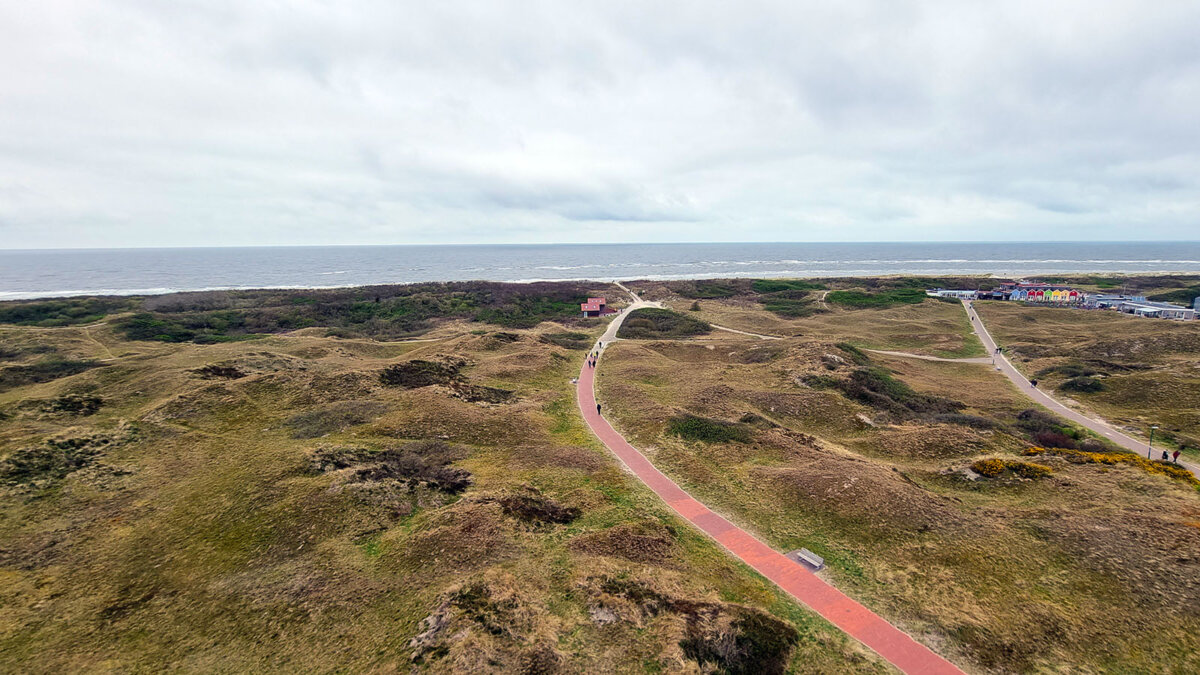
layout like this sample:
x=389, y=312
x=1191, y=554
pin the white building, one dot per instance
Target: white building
x=1158, y=310
x=943, y=293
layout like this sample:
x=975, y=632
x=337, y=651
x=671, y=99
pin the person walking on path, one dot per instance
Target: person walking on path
x=597, y=408
x=1175, y=456
x=1164, y=455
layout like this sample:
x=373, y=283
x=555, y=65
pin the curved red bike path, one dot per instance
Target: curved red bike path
x=893, y=644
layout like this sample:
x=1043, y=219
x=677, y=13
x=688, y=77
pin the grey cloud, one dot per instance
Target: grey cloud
x=132, y=122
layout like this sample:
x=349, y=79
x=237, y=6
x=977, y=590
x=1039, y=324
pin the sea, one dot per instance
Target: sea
x=142, y=271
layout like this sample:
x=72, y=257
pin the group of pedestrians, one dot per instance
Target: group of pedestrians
x=594, y=356
x=1174, y=457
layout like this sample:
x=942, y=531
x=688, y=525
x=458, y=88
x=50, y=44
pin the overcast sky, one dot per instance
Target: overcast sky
x=191, y=122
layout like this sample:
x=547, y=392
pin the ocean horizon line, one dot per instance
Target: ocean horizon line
x=931, y=242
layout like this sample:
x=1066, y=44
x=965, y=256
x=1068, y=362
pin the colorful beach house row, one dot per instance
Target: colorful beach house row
x=1044, y=293
x=596, y=307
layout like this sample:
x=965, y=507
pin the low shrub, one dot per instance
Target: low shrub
x=1184, y=296
x=1069, y=370
x=73, y=404
x=655, y=324
x=777, y=285
x=1029, y=470
x=877, y=300
x=706, y=290
x=818, y=381
x=535, y=508
x=1119, y=457
x=414, y=464
x=333, y=418
x=384, y=312
x=972, y=421
x=43, y=371
x=66, y=312
x=215, y=371
x=792, y=305
x=988, y=467
x=693, y=428
x=44, y=463
x=1046, y=429
x=1054, y=439
x=1089, y=385
x=420, y=373
x=994, y=467
x=877, y=388
x=856, y=355
x=477, y=393
x=568, y=340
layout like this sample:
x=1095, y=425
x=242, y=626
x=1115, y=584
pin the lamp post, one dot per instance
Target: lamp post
x=1150, y=446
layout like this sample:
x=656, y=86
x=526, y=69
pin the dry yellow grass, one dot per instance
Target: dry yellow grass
x=1023, y=573
x=196, y=535
x=1149, y=369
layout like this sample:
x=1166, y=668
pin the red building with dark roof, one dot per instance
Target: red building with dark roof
x=595, y=307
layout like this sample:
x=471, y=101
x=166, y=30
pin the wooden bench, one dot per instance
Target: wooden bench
x=807, y=558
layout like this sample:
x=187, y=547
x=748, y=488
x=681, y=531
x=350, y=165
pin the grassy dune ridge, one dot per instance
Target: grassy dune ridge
x=276, y=504
x=297, y=485
x=1041, y=557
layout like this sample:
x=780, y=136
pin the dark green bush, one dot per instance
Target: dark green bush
x=1088, y=385
x=419, y=373
x=877, y=388
x=819, y=381
x=693, y=428
x=790, y=307
x=757, y=644
x=42, y=371
x=1184, y=296
x=66, y=312
x=856, y=355
x=654, y=324
x=1046, y=429
x=73, y=404
x=1069, y=370
x=569, y=340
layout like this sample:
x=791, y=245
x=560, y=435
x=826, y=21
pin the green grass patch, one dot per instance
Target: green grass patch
x=1183, y=296
x=383, y=312
x=67, y=312
x=694, y=428
x=706, y=290
x=777, y=285
x=877, y=300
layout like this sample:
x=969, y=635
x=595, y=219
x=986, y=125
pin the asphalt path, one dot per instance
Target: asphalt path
x=1097, y=425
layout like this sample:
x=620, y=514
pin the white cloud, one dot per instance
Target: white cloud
x=127, y=123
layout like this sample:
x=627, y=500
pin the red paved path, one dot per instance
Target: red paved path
x=859, y=622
